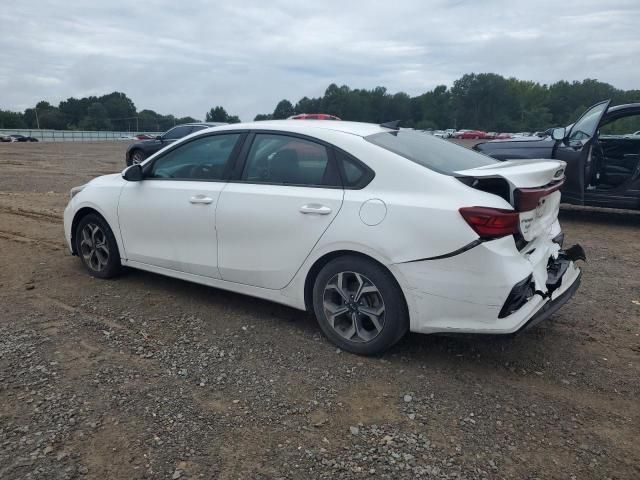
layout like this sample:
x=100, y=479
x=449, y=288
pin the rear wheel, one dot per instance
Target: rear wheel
x=97, y=247
x=359, y=305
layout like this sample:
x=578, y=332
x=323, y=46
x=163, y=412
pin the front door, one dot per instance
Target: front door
x=168, y=219
x=575, y=150
x=271, y=218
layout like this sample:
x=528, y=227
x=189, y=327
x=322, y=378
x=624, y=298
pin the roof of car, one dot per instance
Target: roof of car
x=353, y=128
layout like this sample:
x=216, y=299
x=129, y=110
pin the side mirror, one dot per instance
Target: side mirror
x=558, y=133
x=133, y=173
x=159, y=137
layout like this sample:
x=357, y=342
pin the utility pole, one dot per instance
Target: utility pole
x=37, y=121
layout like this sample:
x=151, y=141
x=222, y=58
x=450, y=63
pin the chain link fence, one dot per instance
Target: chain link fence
x=74, y=135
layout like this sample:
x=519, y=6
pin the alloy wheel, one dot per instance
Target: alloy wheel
x=137, y=157
x=354, y=307
x=94, y=247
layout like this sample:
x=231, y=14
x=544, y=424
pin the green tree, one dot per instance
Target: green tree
x=97, y=118
x=284, y=109
x=216, y=114
x=219, y=114
x=12, y=119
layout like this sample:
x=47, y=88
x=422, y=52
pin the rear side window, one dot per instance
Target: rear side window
x=177, y=132
x=434, y=153
x=354, y=173
x=282, y=159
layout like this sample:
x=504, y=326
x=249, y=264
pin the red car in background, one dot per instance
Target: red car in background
x=313, y=116
x=470, y=134
x=503, y=136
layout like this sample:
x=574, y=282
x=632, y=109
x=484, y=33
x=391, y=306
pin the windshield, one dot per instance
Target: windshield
x=587, y=125
x=434, y=153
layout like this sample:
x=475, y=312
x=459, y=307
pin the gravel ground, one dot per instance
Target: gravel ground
x=150, y=377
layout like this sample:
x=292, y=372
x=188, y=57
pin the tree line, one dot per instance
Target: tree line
x=484, y=101
x=114, y=111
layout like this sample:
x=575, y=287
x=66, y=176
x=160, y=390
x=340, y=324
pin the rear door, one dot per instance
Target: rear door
x=575, y=150
x=286, y=193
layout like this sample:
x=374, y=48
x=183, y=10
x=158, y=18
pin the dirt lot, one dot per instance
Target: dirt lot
x=149, y=377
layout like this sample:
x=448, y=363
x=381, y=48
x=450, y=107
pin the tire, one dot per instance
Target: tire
x=137, y=156
x=97, y=247
x=336, y=290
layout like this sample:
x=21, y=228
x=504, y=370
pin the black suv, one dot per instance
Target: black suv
x=140, y=150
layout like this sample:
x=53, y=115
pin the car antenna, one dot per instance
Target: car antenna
x=394, y=125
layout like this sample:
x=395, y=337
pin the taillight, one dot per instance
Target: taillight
x=491, y=222
x=526, y=199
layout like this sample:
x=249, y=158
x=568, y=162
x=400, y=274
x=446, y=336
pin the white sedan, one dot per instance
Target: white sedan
x=376, y=230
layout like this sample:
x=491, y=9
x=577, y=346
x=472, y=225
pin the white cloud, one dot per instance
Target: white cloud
x=184, y=57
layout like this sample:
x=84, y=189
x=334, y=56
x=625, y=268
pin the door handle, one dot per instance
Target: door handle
x=315, y=209
x=201, y=199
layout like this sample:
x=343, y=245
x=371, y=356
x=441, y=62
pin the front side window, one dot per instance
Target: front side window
x=204, y=158
x=282, y=159
x=177, y=132
x=587, y=125
x=429, y=151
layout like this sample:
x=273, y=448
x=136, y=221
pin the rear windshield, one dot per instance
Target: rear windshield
x=434, y=153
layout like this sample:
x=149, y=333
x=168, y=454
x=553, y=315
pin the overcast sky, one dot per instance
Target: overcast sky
x=183, y=57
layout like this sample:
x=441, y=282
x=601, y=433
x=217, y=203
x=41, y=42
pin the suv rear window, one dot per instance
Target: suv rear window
x=434, y=153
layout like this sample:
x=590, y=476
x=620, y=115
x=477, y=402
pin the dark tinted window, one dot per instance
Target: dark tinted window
x=197, y=128
x=177, y=132
x=288, y=160
x=354, y=173
x=204, y=158
x=434, y=153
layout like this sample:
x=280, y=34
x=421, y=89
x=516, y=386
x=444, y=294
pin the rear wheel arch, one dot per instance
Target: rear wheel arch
x=317, y=266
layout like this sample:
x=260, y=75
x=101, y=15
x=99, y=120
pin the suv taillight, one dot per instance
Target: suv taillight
x=491, y=222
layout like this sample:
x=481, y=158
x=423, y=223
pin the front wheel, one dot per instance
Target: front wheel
x=359, y=305
x=138, y=156
x=97, y=247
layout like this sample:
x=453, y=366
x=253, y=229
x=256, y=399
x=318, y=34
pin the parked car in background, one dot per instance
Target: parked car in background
x=219, y=208
x=490, y=135
x=471, y=134
x=138, y=151
x=503, y=136
x=603, y=164
x=143, y=136
x=457, y=133
x=313, y=116
x=19, y=138
x=439, y=133
x=449, y=132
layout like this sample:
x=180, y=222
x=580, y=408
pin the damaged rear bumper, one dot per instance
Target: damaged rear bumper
x=468, y=293
x=554, y=305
